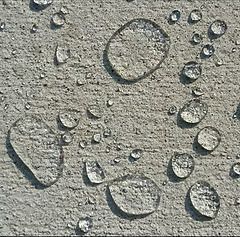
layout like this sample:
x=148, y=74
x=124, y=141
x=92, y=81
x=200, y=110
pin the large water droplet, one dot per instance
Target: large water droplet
x=95, y=172
x=193, y=111
x=137, y=49
x=218, y=28
x=209, y=138
x=38, y=148
x=69, y=118
x=182, y=165
x=135, y=195
x=204, y=199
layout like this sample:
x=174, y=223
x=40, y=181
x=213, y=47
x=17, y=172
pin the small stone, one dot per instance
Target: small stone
x=195, y=16
x=85, y=224
x=94, y=172
x=2, y=26
x=192, y=70
x=110, y=103
x=67, y=137
x=107, y=132
x=218, y=28
x=83, y=144
x=197, y=91
x=197, y=38
x=175, y=16
x=172, y=110
x=136, y=154
x=209, y=138
x=58, y=19
x=62, y=54
x=236, y=169
x=208, y=50
x=96, y=138
x=43, y=3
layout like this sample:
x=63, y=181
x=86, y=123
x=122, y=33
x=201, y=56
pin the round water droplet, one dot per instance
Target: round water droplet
x=34, y=28
x=136, y=154
x=69, y=118
x=208, y=50
x=85, y=224
x=110, y=103
x=43, y=3
x=38, y=148
x=107, y=132
x=172, y=110
x=137, y=49
x=135, y=195
x=193, y=111
x=58, y=19
x=197, y=91
x=209, y=138
x=218, y=28
x=62, y=54
x=195, y=16
x=237, y=202
x=83, y=144
x=197, y=38
x=96, y=137
x=182, y=165
x=236, y=169
x=67, y=137
x=94, y=172
x=2, y=26
x=95, y=110
x=204, y=199
x=192, y=70
x=174, y=16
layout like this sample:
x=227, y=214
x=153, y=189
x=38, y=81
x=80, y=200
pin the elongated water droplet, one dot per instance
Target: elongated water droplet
x=95, y=172
x=197, y=38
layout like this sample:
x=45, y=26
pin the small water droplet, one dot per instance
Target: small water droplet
x=96, y=138
x=83, y=144
x=27, y=106
x=64, y=10
x=62, y=54
x=209, y=138
x=197, y=91
x=182, y=165
x=67, y=137
x=172, y=110
x=136, y=154
x=218, y=28
x=197, y=38
x=107, y=149
x=69, y=118
x=110, y=103
x=204, y=199
x=174, y=16
x=193, y=111
x=81, y=82
x=42, y=76
x=43, y=3
x=94, y=172
x=192, y=70
x=236, y=169
x=208, y=50
x=195, y=16
x=237, y=202
x=58, y=19
x=34, y=28
x=95, y=110
x=107, y=132
x=2, y=26
x=85, y=224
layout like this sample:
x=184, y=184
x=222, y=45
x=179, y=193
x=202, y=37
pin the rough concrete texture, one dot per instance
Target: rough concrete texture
x=32, y=83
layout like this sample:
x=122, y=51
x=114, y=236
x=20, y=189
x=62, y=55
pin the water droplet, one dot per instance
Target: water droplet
x=197, y=91
x=204, y=199
x=96, y=138
x=236, y=169
x=238, y=156
x=209, y=138
x=172, y=110
x=85, y=224
x=208, y=50
x=107, y=132
x=197, y=38
x=192, y=70
x=38, y=148
x=42, y=76
x=94, y=172
x=137, y=49
x=62, y=54
x=58, y=19
x=174, y=16
x=67, y=137
x=34, y=28
x=69, y=118
x=27, y=106
x=237, y=202
x=193, y=111
x=83, y=144
x=64, y=10
x=135, y=195
x=80, y=82
x=136, y=154
x=2, y=26
x=95, y=110
x=43, y=3
x=195, y=16
x=110, y=103
x=182, y=165
x=218, y=28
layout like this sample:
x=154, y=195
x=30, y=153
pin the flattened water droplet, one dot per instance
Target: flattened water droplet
x=192, y=70
x=69, y=118
x=204, y=199
x=208, y=50
x=95, y=110
x=197, y=91
x=38, y=148
x=236, y=169
x=85, y=224
x=67, y=137
x=94, y=172
x=135, y=195
x=96, y=137
x=136, y=154
x=137, y=49
x=43, y=3
x=62, y=54
x=58, y=19
x=193, y=111
x=195, y=16
x=174, y=16
x=218, y=28
x=197, y=38
x=209, y=138
x=172, y=110
x=182, y=165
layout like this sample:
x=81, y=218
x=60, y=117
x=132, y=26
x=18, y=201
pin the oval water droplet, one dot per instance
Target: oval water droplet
x=195, y=16
x=137, y=49
x=192, y=70
x=209, y=138
x=218, y=28
x=95, y=172
x=193, y=111
x=174, y=16
x=182, y=165
x=85, y=224
x=67, y=137
x=58, y=19
x=38, y=148
x=69, y=118
x=62, y=54
x=136, y=154
x=135, y=195
x=197, y=38
x=204, y=199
